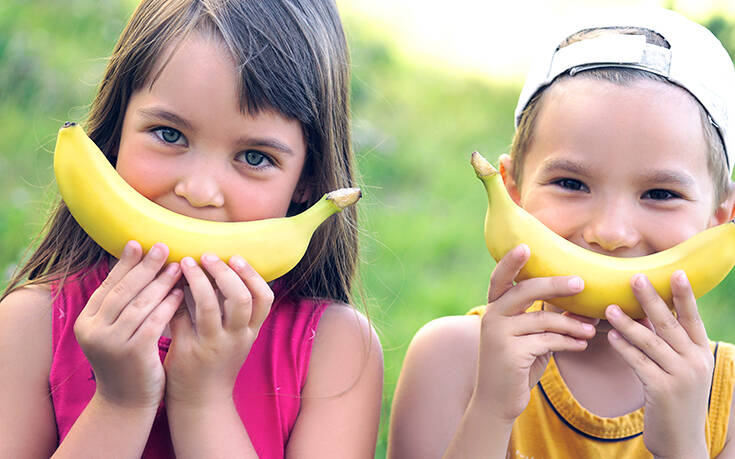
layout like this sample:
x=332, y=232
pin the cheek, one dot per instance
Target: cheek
x=254, y=201
x=142, y=171
x=668, y=232
x=564, y=219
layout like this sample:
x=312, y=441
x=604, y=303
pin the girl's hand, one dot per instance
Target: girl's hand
x=119, y=328
x=672, y=358
x=205, y=359
x=515, y=346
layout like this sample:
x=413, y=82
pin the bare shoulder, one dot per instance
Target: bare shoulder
x=434, y=388
x=346, y=345
x=27, y=310
x=340, y=403
x=453, y=340
x=27, y=427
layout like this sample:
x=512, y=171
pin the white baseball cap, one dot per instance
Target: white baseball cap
x=696, y=60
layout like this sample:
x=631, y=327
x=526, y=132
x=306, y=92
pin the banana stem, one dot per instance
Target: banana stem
x=344, y=197
x=482, y=166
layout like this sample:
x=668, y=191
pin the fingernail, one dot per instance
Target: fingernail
x=522, y=250
x=681, y=278
x=188, y=262
x=172, y=269
x=614, y=334
x=238, y=262
x=576, y=284
x=589, y=328
x=209, y=258
x=127, y=249
x=614, y=310
x=639, y=281
x=156, y=252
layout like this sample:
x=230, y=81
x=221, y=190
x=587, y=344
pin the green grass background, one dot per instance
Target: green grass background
x=415, y=125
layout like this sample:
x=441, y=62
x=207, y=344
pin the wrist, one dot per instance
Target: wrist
x=102, y=401
x=486, y=408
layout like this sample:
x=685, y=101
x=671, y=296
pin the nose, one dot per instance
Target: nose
x=200, y=188
x=612, y=228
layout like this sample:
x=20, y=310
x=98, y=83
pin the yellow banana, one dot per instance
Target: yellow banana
x=706, y=257
x=112, y=213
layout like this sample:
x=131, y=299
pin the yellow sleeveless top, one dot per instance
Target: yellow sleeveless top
x=555, y=425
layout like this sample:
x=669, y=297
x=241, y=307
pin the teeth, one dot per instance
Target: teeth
x=112, y=213
x=706, y=257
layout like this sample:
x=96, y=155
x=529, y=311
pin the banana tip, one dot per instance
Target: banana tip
x=344, y=196
x=483, y=168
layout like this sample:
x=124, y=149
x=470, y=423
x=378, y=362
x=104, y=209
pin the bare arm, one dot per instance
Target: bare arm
x=27, y=421
x=27, y=425
x=434, y=388
x=340, y=407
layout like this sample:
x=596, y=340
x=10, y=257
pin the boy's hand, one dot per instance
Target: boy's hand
x=515, y=346
x=207, y=353
x=674, y=362
x=119, y=328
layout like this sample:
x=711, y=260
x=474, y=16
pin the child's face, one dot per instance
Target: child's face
x=186, y=145
x=619, y=170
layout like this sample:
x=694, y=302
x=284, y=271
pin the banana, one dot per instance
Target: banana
x=112, y=213
x=706, y=257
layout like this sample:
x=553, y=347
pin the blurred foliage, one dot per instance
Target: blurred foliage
x=414, y=128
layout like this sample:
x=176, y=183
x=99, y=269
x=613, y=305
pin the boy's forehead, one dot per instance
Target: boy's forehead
x=648, y=123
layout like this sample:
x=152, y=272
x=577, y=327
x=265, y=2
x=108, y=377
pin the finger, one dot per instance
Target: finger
x=152, y=327
x=135, y=312
x=238, y=300
x=664, y=323
x=132, y=283
x=686, y=308
x=130, y=256
x=545, y=321
x=505, y=272
x=182, y=326
x=540, y=344
x=646, y=369
x=644, y=340
x=262, y=295
x=588, y=320
x=207, y=314
x=525, y=292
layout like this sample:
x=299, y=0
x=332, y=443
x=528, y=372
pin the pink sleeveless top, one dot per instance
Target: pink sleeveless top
x=266, y=392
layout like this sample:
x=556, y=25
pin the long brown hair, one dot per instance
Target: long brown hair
x=292, y=58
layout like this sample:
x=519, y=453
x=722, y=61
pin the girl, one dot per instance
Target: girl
x=622, y=146
x=220, y=110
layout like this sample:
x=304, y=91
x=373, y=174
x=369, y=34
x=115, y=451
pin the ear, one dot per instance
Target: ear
x=506, y=172
x=725, y=211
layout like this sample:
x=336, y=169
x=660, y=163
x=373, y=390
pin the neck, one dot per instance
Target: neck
x=599, y=369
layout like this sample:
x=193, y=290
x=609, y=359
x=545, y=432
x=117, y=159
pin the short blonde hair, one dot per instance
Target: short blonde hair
x=523, y=138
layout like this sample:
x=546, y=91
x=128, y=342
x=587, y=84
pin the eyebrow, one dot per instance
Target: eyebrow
x=268, y=142
x=564, y=165
x=662, y=176
x=160, y=113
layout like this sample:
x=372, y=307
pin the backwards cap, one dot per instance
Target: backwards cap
x=696, y=61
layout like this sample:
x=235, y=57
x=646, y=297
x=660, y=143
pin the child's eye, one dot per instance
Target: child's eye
x=254, y=158
x=659, y=195
x=169, y=135
x=571, y=184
